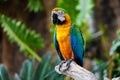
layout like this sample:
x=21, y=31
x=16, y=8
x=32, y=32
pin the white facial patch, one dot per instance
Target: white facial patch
x=60, y=15
x=61, y=18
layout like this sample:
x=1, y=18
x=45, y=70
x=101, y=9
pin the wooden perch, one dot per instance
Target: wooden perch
x=77, y=72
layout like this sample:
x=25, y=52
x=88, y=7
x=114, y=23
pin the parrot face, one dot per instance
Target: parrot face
x=58, y=16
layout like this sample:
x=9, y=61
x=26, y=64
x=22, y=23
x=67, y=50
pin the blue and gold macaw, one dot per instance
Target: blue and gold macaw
x=68, y=39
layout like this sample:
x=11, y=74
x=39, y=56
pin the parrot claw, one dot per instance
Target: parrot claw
x=64, y=61
x=67, y=66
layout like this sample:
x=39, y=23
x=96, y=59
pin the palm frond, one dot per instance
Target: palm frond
x=27, y=39
x=27, y=70
x=34, y=5
x=4, y=73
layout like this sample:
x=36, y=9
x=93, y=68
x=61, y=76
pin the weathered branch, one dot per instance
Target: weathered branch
x=77, y=72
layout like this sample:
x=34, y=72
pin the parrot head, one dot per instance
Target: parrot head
x=59, y=16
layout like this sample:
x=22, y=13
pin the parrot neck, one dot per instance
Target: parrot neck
x=67, y=25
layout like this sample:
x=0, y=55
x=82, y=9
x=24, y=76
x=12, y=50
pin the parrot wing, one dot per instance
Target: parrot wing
x=57, y=45
x=77, y=44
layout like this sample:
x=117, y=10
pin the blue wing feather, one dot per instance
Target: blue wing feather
x=57, y=46
x=77, y=44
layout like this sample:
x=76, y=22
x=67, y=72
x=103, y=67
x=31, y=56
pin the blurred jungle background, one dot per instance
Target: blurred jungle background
x=26, y=44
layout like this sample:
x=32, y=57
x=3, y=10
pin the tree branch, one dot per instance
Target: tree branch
x=77, y=72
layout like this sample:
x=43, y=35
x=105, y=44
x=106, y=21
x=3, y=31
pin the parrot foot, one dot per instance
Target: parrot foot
x=66, y=63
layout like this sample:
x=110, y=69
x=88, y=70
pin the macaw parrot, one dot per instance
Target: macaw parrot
x=68, y=39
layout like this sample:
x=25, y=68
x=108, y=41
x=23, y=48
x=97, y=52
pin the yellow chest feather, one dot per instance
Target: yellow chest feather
x=63, y=38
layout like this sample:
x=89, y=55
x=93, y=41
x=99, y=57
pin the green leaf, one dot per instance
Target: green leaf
x=27, y=39
x=45, y=70
x=3, y=73
x=101, y=67
x=27, y=70
x=34, y=5
x=115, y=46
x=16, y=77
x=118, y=32
x=43, y=67
x=85, y=8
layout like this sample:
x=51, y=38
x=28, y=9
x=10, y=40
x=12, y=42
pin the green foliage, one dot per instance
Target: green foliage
x=71, y=8
x=40, y=73
x=44, y=71
x=27, y=39
x=116, y=45
x=3, y=73
x=16, y=77
x=102, y=66
x=115, y=55
x=85, y=9
x=34, y=5
x=27, y=70
x=116, y=68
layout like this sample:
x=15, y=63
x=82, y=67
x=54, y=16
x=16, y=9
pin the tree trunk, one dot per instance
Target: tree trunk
x=8, y=56
x=0, y=45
